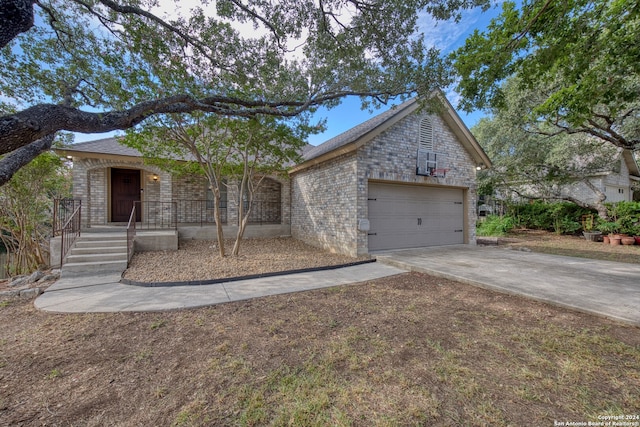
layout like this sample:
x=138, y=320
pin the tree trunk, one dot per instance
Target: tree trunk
x=218, y=219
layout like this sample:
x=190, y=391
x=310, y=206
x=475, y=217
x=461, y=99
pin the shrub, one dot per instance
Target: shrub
x=560, y=217
x=495, y=225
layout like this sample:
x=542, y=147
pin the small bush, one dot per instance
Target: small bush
x=495, y=225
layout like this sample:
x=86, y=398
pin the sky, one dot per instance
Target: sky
x=445, y=35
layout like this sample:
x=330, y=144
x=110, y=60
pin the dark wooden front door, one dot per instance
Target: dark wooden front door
x=125, y=190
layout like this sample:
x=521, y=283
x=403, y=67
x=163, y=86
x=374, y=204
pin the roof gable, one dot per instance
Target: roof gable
x=359, y=135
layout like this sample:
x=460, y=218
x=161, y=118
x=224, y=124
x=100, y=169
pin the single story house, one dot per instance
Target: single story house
x=404, y=178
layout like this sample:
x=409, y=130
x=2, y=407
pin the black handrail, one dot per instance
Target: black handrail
x=131, y=234
x=62, y=211
x=70, y=231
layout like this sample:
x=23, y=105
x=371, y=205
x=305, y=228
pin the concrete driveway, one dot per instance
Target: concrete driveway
x=605, y=288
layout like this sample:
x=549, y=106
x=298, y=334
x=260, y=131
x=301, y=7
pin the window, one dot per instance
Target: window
x=223, y=196
x=425, y=138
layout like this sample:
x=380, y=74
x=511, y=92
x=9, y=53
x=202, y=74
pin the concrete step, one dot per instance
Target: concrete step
x=102, y=236
x=70, y=269
x=97, y=252
x=92, y=258
x=100, y=243
x=88, y=250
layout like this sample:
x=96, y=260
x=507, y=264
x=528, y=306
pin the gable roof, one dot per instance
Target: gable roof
x=632, y=164
x=105, y=146
x=111, y=147
x=359, y=135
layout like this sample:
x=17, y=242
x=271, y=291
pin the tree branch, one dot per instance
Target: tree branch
x=33, y=123
x=16, y=16
x=11, y=163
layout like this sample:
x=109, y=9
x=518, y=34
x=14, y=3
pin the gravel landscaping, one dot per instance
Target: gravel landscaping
x=200, y=260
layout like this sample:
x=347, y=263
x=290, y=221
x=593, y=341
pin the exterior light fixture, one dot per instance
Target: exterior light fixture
x=480, y=167
x=155, y=178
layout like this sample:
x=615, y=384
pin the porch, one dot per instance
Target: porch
x=158, y=226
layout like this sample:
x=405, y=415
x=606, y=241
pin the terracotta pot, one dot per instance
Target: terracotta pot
x=627, y=240
x=605, y=240
x=614, y=241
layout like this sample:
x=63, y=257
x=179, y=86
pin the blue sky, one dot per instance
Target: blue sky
x=447, y=36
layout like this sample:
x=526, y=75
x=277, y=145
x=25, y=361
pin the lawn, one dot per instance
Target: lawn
x=406, y=350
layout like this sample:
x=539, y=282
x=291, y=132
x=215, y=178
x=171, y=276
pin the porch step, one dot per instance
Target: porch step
x=96, y=253
x=93, y=267
x=94, y=249
x=97, y=244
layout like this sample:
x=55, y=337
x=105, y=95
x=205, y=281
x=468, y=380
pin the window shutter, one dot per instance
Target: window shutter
x=426, y=135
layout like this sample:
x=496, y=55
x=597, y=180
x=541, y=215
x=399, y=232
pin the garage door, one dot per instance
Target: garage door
x=404, y=216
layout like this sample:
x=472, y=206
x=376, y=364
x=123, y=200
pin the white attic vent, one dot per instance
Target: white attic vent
x=425, y=138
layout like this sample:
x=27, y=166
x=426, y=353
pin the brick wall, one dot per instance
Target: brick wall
x=329, y=199
x=324, y=205
x=91, y=185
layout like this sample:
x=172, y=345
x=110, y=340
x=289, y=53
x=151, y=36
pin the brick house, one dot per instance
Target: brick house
x=402, y=179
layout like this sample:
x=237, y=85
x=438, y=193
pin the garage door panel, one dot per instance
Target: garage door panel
x=414, y=216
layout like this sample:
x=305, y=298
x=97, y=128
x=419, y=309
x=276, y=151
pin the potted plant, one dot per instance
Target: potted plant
x=609, y=228
x=588, y=231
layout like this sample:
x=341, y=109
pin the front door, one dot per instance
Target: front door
x=125, y=190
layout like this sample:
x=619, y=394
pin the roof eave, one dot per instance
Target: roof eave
x=632, y=165
x=464, y=134
x=360, y=141
x=66, y=152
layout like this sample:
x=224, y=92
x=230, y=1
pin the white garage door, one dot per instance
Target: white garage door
x=403, y=216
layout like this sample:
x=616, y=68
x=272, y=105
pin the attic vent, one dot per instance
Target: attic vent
x=425, y=139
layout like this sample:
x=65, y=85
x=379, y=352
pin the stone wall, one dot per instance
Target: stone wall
x=91, y=180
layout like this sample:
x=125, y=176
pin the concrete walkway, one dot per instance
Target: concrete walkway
x=103, y=293
x=609, y=289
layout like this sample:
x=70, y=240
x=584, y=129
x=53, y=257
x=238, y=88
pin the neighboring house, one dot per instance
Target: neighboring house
x=402, y=179
x=619, y=182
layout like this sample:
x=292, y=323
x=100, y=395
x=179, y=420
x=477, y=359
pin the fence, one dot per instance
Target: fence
x=154, y=215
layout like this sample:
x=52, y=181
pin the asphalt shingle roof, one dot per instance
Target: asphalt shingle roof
x=104, y=146
x=356, y=132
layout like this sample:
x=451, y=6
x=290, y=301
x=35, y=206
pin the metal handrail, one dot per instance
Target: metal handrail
x=131, y=234
x=62, y=211
x=70, y=232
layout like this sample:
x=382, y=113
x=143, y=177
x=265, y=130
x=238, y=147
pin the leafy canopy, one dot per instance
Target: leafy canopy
x=536, y=165
x=585, y=51
x=101, y=65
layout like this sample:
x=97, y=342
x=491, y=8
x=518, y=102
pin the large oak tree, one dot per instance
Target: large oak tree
x=101, y=65
x=584, y=54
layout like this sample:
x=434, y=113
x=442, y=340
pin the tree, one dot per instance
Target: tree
x=125, y=62
x=25, y=210
x=584, y=54
x=534, y=165
x=242, y=150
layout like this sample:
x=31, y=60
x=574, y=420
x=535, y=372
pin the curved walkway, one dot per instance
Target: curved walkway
x=604, y=288
x=102, y=293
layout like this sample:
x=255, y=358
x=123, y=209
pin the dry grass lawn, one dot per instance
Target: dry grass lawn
x=406, y=350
